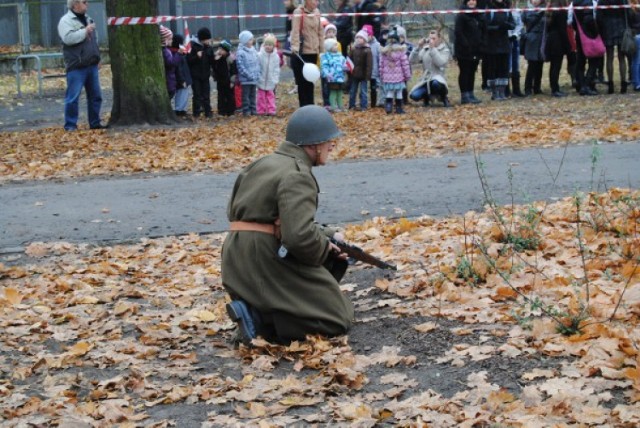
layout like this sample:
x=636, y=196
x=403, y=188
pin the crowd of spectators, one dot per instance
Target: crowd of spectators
x=369, y=60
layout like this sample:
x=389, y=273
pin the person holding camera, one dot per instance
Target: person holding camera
x=434, y=54
x=81, y=57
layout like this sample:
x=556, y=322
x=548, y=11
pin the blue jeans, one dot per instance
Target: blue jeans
x=355, y=84
x=635, y=65
x=88, y=78
x=182, y=99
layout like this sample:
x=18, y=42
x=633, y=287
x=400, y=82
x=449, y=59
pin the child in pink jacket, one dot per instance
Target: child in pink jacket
x=394, y=72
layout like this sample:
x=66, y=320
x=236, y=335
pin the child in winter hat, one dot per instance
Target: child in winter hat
x=362, y=68
x=224, y=73
x=248, y=72
x=245, y=37
x=226, y=45
x=331, y=30
x=269, y=76
x=368, y=28
x=332, y=67
x=269, y=40
x=204, y=34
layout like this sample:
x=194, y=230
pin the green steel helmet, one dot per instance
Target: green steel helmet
x=311, y=125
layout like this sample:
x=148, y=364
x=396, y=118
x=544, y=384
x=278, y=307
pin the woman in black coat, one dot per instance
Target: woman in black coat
x=585, y=18
x=534, y=22
x=612, y=23
x=469, y=29
x=344, y=26
x=497, y=48
x=557, y=44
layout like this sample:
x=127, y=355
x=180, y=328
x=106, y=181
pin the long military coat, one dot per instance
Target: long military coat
x=281, y=185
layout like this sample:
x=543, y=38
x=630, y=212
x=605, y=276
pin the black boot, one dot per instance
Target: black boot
x=444, y=98
x=388, y=105
x=464, y=98
x=623, y=87
x=473, y=99
x=515, y=80
x=610, y=89
x=399, y=109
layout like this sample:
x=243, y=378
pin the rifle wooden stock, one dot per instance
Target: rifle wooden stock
x=358, y=253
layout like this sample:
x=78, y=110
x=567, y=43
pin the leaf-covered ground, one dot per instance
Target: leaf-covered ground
x=468, y=332
x=228, y=144
x=138, y=335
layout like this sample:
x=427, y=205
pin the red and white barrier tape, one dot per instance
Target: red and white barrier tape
x=160, y=19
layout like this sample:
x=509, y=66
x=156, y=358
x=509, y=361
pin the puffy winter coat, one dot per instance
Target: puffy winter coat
x=248, y=65
x=362, y=62
x=269, y=69
x=332, y=67
x=171, y=63
x=394, y=64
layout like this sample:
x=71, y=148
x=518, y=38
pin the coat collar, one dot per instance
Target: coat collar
x=294, y=151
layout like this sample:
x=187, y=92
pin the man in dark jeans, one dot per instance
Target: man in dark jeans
x=81, y=58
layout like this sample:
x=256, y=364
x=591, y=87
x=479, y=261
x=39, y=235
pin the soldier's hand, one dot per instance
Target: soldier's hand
x=335, y=250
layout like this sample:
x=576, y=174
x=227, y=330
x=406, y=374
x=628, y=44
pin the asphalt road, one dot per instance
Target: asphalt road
x=126, y=209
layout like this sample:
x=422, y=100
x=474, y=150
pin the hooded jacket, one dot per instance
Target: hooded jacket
x=394, y=64
x=248, y=65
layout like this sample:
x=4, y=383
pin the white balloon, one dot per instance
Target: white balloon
x=311, y=72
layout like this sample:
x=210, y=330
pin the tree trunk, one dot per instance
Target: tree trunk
x=140, y=93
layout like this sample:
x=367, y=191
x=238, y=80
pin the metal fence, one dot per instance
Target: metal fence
x=34, y=23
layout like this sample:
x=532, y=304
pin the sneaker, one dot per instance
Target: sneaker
x=239, y=312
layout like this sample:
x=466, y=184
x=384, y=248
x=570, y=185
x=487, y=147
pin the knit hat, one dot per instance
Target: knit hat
x=329, y=44
x=178, y=39
x=166, y=36
x=401, y=32
x=369, y=29
x=330, y=27
x=226, y=45
x=245, y=36
x=269, y=39
x=363, y=34
x=204, y=34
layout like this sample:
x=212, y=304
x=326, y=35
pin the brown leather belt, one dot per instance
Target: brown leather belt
x=248, y=226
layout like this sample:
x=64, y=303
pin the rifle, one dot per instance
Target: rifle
x=357, y=253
